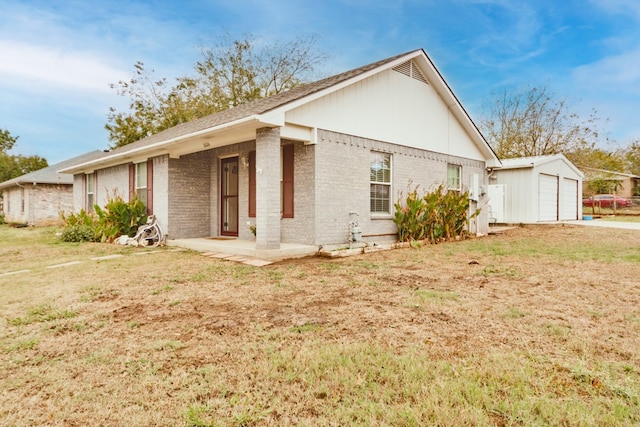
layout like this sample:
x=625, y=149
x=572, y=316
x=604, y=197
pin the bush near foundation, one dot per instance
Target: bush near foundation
x=115, y=219
x=439, y=215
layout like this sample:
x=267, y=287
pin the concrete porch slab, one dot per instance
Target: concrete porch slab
x=245, y=248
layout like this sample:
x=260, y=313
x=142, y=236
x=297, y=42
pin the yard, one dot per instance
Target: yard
x=537, y=326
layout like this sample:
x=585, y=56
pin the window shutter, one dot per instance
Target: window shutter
x=252, y=184
x=150, y=187
x=132, y=181
x=287, y=181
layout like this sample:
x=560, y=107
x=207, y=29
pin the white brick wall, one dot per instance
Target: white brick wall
x=43, y=204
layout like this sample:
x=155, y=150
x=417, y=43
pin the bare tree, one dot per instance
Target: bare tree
x=533, y=123
x=230, y=73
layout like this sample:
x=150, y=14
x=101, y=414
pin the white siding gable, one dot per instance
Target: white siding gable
x=390, y=106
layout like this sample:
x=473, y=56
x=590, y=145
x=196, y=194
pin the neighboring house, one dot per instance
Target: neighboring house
x=628, y=185
x=536, y=189
x=38, y=197
x=299, y=165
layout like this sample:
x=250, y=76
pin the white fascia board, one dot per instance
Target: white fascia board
x=160, y=147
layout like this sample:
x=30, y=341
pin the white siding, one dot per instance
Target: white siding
x=390, y=107
x=520, y=195
x=570, y=199
x=496, y=194
x=548, y=198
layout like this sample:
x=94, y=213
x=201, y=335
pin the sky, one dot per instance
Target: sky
x=57, y=58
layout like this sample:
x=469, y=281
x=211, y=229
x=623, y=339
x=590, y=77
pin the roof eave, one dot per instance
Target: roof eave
x=161, y=147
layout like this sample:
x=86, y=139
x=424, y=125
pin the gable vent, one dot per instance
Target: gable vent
x=410, y=69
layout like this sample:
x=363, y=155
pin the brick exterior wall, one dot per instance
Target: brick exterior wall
x=300, y=228
x=189, y=200
x=43, y=204
x=331, y=179
x=111, y=182
x=78, y=197
x=343, y=186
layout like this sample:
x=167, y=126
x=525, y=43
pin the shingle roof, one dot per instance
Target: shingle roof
x=50, y=174
x=259, y=106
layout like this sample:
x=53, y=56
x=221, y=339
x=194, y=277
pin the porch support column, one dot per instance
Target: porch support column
x=268, y=188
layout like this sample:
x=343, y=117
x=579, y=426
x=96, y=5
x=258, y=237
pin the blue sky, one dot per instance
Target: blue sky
x=57, y=58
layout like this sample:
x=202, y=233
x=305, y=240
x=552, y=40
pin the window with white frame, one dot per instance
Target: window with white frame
x=91, y=191
x=141, y=182
x=454, y=177
x=380, y=178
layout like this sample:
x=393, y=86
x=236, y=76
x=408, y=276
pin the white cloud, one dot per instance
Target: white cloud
x=25, y=65
x=613, y=74
x=624, y=7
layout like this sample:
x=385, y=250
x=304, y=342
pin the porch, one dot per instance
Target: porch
x=245, y=248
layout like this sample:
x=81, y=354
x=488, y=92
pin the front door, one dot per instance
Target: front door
x=229, y=197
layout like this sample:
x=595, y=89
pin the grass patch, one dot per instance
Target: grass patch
x=411, y=337
x=434, y=295
x=42, y=313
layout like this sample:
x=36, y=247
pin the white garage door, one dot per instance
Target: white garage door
x=569, y=199
x=548, y=198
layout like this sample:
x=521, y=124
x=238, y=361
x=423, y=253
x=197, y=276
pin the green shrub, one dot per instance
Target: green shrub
x=80, y=227
x=120, y=218
x=78, y=233
x=2, y=221
x=117, y=218
x=439, y=215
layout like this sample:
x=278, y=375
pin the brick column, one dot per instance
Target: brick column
x=268, y=188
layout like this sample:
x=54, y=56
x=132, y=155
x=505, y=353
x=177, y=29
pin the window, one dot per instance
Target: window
x=21, y=200
x=454, y=177
x=141, y=182
x=91, y=191
x=380, y=177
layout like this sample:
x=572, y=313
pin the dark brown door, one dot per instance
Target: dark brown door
x=229, y=197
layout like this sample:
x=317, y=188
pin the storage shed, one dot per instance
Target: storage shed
x=535, y=189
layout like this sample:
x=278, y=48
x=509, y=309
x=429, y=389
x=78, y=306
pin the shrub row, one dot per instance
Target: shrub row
x=116, y=219
x=435, y=216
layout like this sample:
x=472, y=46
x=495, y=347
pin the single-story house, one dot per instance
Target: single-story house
x=627, y=185
x=535, y=189
x=299, y=166
x=38, y=197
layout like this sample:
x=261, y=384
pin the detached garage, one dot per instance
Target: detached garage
x=536, y=189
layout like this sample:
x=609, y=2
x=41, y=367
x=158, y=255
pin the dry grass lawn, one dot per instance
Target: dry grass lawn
x=537, y=326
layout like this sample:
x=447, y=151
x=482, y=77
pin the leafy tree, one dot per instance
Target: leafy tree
x=598, y=158
x=534, y=123
x=230, y=73
x=632, y=156
x=12, y=166
x=6, y=140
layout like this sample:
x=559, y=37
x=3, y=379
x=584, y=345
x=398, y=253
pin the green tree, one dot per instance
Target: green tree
x=533, y=122
x=6, y=140
x=12, y=166
x=599, y=158
x=230, y=73
x=632, y=157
